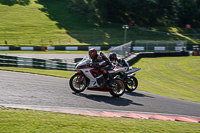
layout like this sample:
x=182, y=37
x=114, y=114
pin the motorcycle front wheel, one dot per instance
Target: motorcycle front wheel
x=118, y=88
x=132, y=84
x=76, y=84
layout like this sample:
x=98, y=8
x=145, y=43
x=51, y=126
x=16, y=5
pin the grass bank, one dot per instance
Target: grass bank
x=42, y=23
x=177, y=77
x=17, y=120
x=56, y=73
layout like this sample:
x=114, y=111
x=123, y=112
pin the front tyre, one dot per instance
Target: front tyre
x=78, y=83
x=118, y=88
x=132, y=84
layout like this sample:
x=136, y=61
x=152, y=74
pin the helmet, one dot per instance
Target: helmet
x=112, y=57
x=92, y=53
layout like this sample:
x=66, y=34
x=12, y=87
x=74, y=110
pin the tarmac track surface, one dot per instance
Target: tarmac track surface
x=31, y=89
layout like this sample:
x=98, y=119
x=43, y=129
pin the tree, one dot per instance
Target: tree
x=142, y=12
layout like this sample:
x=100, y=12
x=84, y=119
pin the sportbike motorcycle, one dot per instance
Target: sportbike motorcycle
x=128, y=76
x=90, y=78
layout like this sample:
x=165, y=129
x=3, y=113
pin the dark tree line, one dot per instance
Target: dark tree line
x=141, y=12
x=13, y=2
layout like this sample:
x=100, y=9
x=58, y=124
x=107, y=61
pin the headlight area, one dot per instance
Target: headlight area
x=78, y=71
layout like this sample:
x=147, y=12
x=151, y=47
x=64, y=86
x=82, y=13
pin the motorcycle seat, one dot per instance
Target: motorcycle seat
x=116, y=70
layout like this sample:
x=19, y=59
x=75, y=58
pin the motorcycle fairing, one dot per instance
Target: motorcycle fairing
x=116, y=70
x=93, y=80
x=82, y=63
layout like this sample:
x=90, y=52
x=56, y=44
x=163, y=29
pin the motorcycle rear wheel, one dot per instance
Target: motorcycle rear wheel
x=132, y=85
x=77, y=86
x=118, y=89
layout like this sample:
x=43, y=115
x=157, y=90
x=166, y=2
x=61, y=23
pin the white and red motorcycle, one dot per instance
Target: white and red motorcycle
x=87, y=76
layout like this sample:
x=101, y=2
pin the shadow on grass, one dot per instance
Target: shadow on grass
x=109, y=100
x=13, y=2
x=78, y=26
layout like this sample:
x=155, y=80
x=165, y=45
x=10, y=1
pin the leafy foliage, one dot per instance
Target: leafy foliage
x=141, y=12
x=13, y=2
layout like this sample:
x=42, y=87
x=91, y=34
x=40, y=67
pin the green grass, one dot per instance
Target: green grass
x=177, y=77
x=56, y=73
x=40, y=22
x=30, y=24
x=27, y=121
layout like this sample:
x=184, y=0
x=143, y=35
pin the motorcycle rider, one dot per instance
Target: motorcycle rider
x=118, y=61
x=101, y=61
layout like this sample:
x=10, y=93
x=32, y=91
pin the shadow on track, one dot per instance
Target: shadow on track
x=108, y=100
x=136, y=94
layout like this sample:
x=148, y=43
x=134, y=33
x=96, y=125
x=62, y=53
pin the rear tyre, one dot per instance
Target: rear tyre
x=132, y=84
x=118, y=88
x=76, y=85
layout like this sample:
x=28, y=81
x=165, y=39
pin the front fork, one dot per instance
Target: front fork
x=81, y=77
x=128, y=77
x=128, y=80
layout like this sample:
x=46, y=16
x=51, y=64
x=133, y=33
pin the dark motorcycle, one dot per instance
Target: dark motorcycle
x=128, y=76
